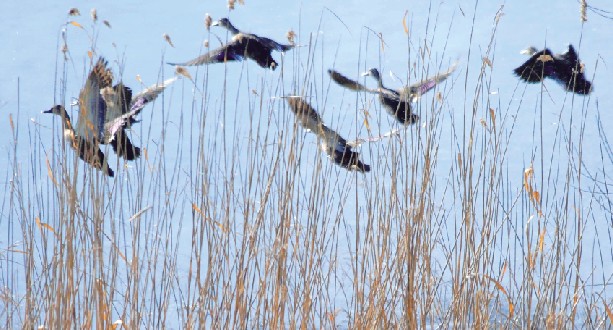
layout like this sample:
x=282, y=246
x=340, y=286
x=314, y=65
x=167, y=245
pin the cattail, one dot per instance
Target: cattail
x=94, y=14
x=183, y=72
x=291, y=35
x=583, y=11
x=231, y=4
x=167, y=38
x=488, y=62
x=208, y=21
x=74, y=12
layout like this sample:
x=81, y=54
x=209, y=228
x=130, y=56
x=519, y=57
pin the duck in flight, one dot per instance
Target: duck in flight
x=334, y=145
x=396, y=102
x=241, y=46
x=105, y=112
x=564, y=68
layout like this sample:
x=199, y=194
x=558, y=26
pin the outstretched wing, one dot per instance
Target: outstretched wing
x=271, y=44
x=306, y=115
x=117, y=101
x=149, y=94
x=334, y=145
x=115, y=127
x=537, y=67
x=569, y=72
x=92, y=108
x=234, y=51
x=417, y=90
x=346, y=82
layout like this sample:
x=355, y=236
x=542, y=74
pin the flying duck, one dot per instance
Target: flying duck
x=564, y=68
x=396, y=102
x=104, y=114
x=334, y=145
x=242, y=45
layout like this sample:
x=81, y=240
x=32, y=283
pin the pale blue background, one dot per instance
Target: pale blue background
x=30, y=43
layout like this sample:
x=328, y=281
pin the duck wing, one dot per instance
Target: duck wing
x=92, y=107
x=334, y=145
x=149, y=94
x=306, y=114
x=537, y=67
x=346, y=82
x=233, y=51
x=271, y=44
x=117, y=101
x=415, y=91
x=569, y=72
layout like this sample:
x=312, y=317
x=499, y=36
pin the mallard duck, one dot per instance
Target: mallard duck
x=104, y=114
x=564, y=68
x=88, y=150
x=334, y=145
x=396, y=102
x=243, y=45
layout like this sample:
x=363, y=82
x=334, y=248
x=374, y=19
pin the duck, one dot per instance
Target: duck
x=396, y=102
x=564, y=68
x=88, y=150
x=242, y=46
x=105, y=113
x=334, y=145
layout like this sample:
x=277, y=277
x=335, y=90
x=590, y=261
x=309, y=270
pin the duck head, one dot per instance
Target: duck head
x=372, y=72
x=224, y=22
x=57, y=110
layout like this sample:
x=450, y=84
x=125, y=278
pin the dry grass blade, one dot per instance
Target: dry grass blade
x=541, y=242
x=50, y=173
x=404, y=22
x=12, y=123
x=139, y=213
x=199, y=211
x=502, y=289
x=42, y=225
x=73, y=23
x=609, y=313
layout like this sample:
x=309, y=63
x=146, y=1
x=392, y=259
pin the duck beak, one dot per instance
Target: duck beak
x=367, y=73
x=47, y=111
x=215, y=23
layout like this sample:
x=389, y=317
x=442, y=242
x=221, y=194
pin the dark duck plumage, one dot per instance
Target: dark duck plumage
x=396, y=102
x=104, y=114
x=564, y=68
x=88, y=150
x=243, y=45
x=334, y=145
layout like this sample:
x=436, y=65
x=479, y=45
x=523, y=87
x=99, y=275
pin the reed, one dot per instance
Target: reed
x=232, y=218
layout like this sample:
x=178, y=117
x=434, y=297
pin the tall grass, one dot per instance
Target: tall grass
x=233, y=219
